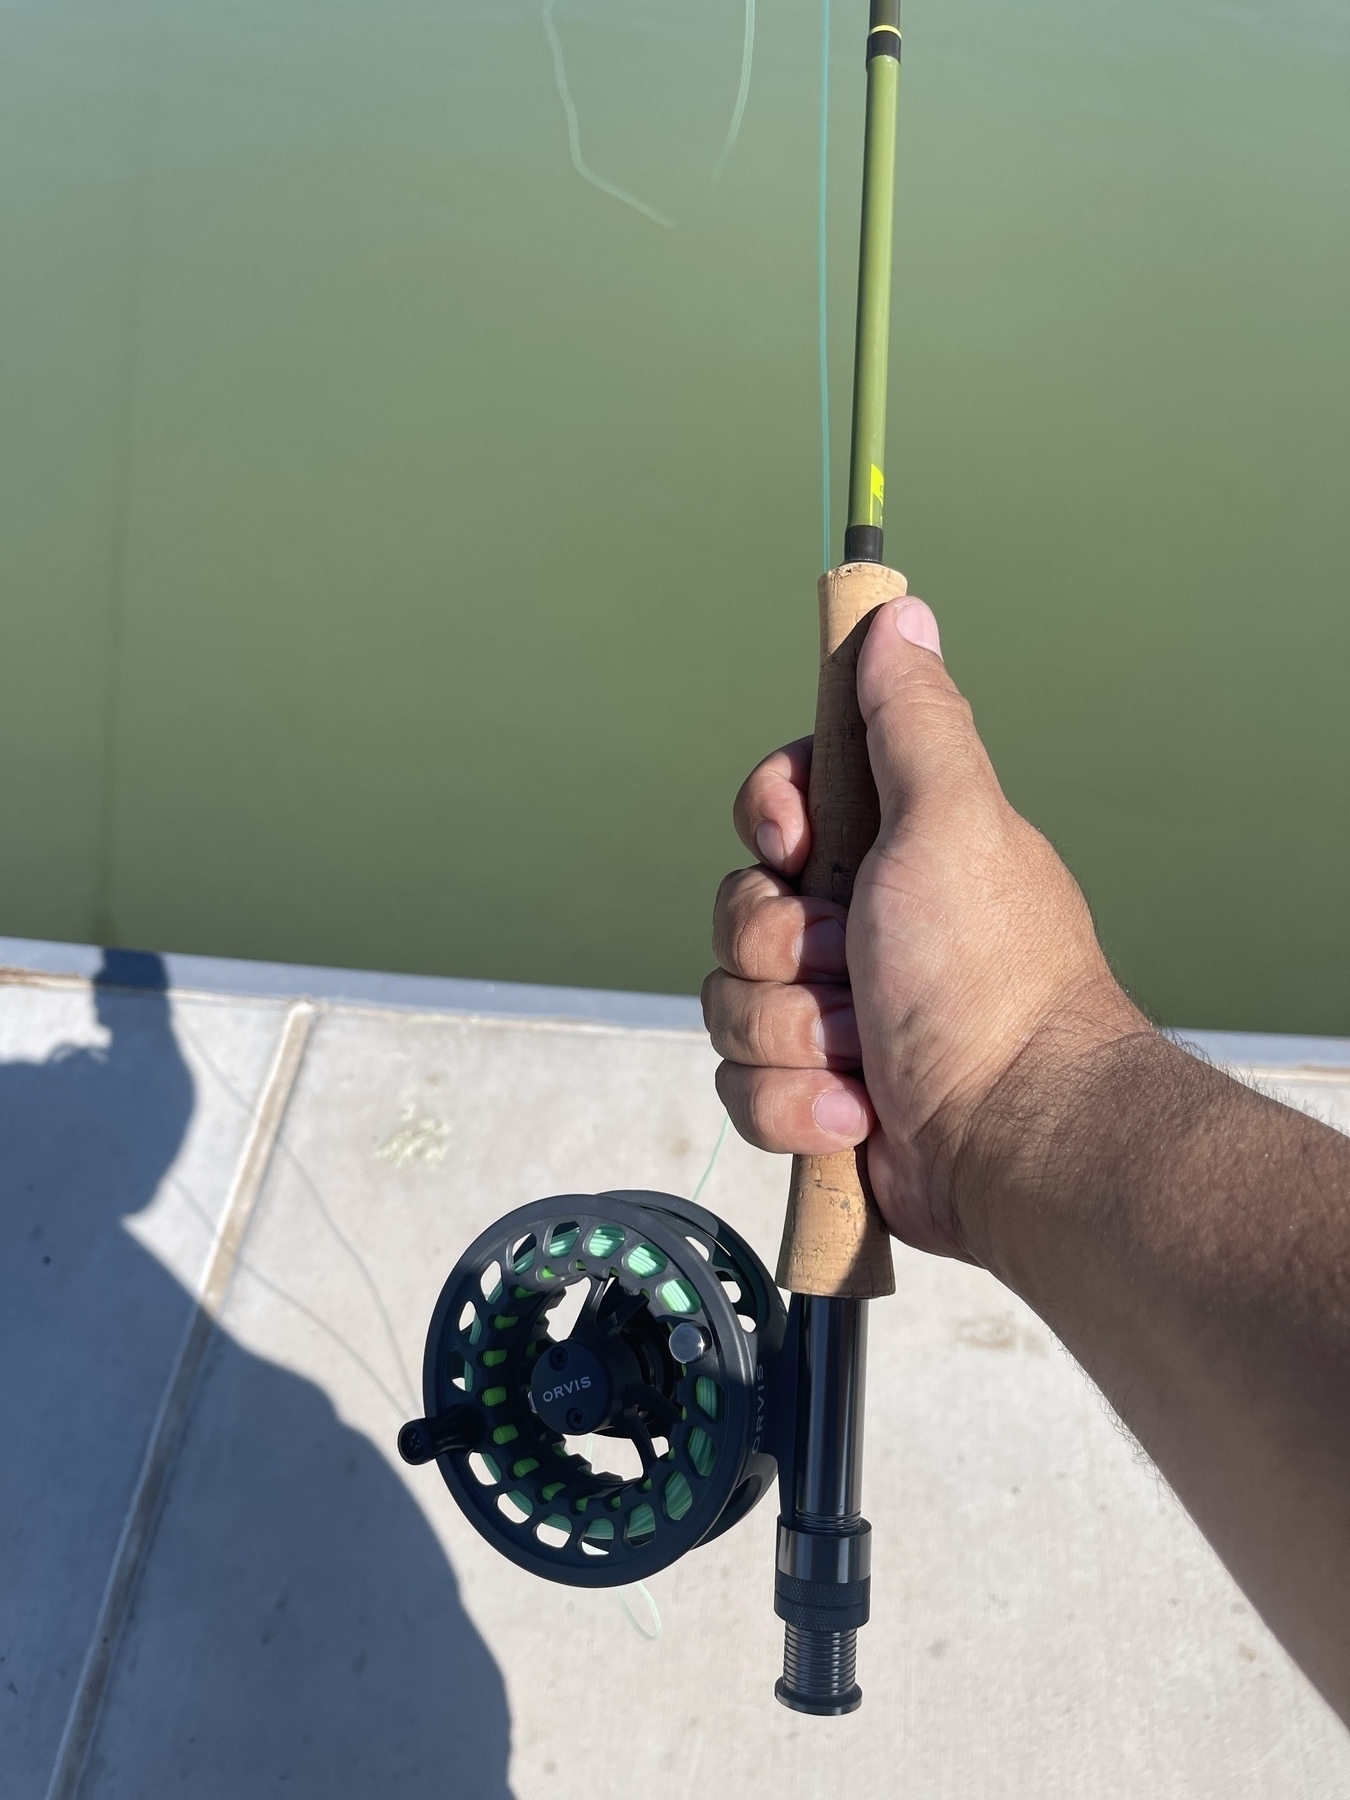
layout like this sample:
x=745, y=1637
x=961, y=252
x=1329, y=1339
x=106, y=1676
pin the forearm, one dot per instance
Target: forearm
x=1188, y=1240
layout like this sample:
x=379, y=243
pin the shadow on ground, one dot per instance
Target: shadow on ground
x=298, y=1630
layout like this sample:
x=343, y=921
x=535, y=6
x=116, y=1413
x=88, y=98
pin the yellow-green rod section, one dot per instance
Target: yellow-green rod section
x=866, y=481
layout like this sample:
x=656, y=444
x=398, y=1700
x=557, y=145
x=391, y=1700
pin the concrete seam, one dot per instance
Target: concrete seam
x=166, y=1433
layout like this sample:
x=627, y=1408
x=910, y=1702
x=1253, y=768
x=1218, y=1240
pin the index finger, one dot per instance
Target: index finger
x=769, y=812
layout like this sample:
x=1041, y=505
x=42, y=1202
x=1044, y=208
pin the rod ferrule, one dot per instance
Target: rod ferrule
x=862, y=543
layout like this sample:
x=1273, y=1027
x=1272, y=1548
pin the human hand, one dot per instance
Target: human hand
x=977, y=983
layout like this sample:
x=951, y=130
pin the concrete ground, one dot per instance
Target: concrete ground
x=229, y=1201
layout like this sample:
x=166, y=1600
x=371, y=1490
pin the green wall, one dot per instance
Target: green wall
x=406, y=547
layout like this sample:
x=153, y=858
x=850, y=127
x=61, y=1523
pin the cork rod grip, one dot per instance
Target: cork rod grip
x=834, y=1242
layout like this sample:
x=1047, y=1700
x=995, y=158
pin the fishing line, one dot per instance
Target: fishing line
x=712, y=1160
x=742, y=92
x=615, y=192
x=624, y=1596
x=654, y=1629
x=626, y=1601
x=574, y=131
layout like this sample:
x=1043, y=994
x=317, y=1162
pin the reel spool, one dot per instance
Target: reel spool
x=597, y=1384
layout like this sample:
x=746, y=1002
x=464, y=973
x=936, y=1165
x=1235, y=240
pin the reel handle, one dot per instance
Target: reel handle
x=834, y=1241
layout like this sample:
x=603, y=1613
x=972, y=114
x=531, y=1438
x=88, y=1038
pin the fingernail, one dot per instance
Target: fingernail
x=769, y=843
x=916, y=624
x=837, y=1112
x=822, y=947
x=836, y=1033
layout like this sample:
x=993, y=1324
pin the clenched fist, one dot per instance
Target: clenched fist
x=967, y=953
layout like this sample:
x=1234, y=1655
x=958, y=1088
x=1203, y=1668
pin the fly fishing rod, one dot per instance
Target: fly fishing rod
x=646, y=1323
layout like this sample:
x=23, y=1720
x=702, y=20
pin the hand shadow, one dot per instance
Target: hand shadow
x=297, y=1627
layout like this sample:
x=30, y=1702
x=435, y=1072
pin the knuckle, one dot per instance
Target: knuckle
x=751, y=958
x=754, y=1101
x=757, y=1033
x=706, y=995
x=748, y=928
x=766, y=1109
x=789, y=1029
x=945, y=706
x=789, y=765
x=729, y=1091
x=749, y=801
x=736, y=1092
x=729, y=910
x=719, y=998
x=729, y=889
x=746, y=1021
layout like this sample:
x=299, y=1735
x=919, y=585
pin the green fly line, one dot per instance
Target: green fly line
x=647, y=1619
x=706, y=1176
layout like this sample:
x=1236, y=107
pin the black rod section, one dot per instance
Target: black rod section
x=827, y=1476
x=823, y=1578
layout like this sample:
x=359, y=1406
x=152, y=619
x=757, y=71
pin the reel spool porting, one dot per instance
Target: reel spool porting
x=597, y=1381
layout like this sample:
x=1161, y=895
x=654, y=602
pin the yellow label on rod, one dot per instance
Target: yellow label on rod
x=878, y=496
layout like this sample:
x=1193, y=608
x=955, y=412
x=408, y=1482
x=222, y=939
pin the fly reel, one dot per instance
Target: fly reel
x=597, y=1384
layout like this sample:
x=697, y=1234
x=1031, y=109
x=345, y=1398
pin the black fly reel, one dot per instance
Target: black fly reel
x=599, y=1384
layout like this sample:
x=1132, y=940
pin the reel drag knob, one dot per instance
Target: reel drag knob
x=571, y=1389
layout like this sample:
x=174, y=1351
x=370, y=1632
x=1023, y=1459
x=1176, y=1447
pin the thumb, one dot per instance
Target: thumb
x=921, y=737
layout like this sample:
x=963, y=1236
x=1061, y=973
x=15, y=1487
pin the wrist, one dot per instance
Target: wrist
x=1039, y=1151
